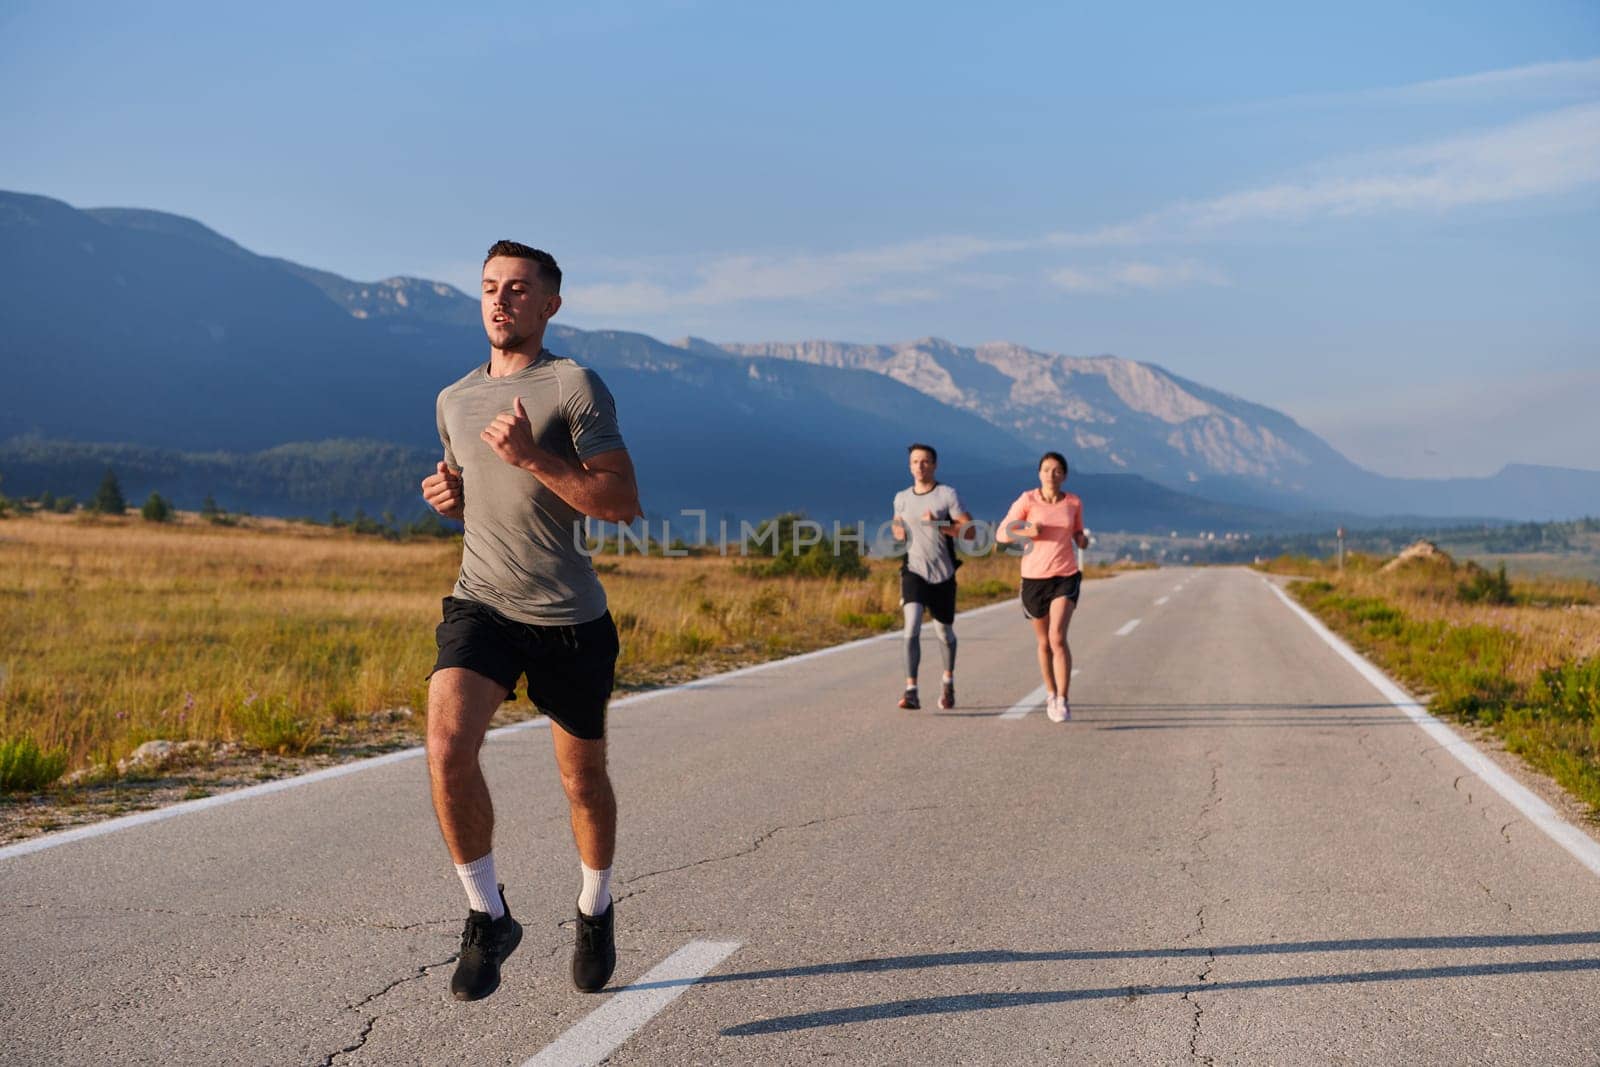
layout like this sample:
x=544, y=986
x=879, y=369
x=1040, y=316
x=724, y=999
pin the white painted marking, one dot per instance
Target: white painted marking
x=1161, y=600
x=1127, y=628
x=1026, y=704
x=126, y=822
x=1583, y=847
x=1033, y=700
x=604, y=1030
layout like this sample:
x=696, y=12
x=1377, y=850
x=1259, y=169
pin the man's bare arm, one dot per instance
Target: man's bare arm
x=601, y=487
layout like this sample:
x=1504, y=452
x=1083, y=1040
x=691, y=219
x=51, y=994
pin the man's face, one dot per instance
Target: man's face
x=922, y=465
x=516, y=304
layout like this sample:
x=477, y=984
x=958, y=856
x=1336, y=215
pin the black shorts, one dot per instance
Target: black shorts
x=570, y=669
x=1038, y=592
x=939, y=599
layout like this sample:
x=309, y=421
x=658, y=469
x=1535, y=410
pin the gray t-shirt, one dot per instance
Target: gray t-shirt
x=520, y=555
x=928, y=552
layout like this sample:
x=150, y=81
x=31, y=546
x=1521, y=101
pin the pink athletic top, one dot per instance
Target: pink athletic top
x=1053, y=554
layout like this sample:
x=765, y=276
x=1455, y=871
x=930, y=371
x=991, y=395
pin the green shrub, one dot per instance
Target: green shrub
x=1481, y=587
x=1570, y=690
x=25, y=767
x=108, y=498
x=272, y=726
x=872, y=620
x=156, y=509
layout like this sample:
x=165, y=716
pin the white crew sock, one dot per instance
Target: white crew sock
x=483, y=889
x=595, y=897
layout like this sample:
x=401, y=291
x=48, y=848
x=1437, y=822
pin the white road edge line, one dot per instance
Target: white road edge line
x=604, y=1030
x=1127, y=628
x=1582, y=847
x=140, y=818
x=1160, y=600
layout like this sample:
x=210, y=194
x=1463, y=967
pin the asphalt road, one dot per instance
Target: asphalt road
x=1237, y=852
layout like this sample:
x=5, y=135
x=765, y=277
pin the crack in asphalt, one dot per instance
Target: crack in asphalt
x=372, y=1020
x=1207, y=809
x=1363, y=739
x=1494, y=899
x=760, y=840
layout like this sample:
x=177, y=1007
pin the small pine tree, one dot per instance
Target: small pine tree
x=65, y=505
x=47, y=501
x=108, y=499
x=208, y=508
x=156, y=509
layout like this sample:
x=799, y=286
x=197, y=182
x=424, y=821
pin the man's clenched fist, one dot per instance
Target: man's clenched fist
x=511, y=435
x=442, y=491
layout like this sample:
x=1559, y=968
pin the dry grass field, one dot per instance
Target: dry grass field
x=282, y=637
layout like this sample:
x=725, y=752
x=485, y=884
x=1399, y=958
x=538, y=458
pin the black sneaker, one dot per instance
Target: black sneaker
x=594, y=954
x=485, y=944
x=947, y=696
x=908, y=700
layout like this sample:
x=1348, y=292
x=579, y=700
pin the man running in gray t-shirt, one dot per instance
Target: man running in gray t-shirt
x=928, y=517
x=531, y=446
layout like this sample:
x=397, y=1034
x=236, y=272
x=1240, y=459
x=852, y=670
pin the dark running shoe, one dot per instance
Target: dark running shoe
x=594, y=953
x=947, y=696
x=485, y=944
x=908, y=700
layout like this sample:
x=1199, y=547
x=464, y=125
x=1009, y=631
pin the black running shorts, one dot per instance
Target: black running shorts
x=570, y=669
x=1038, y=592
x=939, y=599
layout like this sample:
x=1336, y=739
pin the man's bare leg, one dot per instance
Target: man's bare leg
x=593, y=804
x=593, y=808
x=460, y=705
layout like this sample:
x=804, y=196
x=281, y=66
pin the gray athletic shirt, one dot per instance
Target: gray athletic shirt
x=926, y=554
x=519, y=555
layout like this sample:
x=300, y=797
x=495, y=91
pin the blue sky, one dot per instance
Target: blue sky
x=1381, y=219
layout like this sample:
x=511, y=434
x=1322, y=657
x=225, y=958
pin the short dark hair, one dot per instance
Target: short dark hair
x=1058, y=457
x=549, y=272
x=933, y=453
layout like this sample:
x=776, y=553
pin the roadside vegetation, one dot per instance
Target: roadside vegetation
x=1517, y=656
x=264, y=636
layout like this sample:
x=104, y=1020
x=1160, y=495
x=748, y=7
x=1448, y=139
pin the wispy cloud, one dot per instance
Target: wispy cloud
x=1545, y=155
x=1123, y=277
x=1574, y=79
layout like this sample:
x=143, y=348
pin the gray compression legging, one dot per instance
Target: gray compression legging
x=945, y=634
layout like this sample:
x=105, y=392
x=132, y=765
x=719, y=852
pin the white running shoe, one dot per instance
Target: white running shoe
x=1053, y=706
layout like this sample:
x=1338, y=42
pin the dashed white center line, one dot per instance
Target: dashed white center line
x=1033, y=700
x=604, y=1030
x=1160, y=601
x=1026, y=704
x=1127, y=627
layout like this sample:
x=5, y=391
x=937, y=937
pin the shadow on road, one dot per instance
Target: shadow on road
x=985, y=1001
x=899, y=1009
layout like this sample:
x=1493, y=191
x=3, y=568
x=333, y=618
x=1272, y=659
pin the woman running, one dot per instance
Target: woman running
x=1053, y=521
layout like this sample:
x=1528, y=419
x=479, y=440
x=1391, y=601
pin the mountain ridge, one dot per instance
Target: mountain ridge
x=170, y=354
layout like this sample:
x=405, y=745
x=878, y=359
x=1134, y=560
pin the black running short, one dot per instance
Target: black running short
x=939, y=598
x=1038, y=592
x=570, y=669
